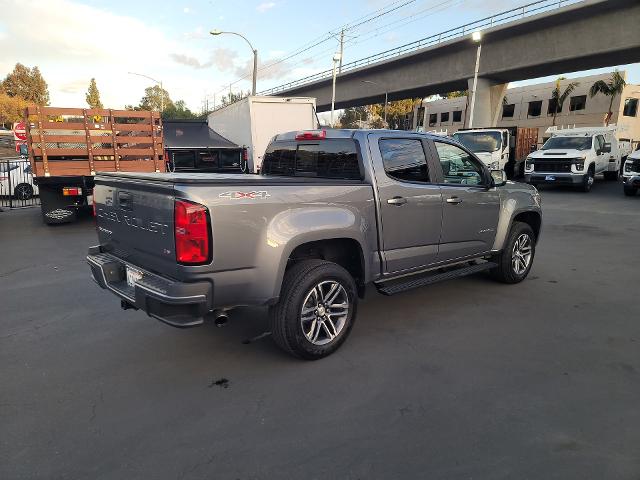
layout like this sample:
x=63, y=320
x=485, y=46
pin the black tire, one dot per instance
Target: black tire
x=505, y=272
x=611, y=176
x=23, y=191
x=285, y=317
x=630, y=191
x=588, y=181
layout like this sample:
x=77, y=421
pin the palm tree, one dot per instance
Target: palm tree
x=560, y=97
x=613, y=87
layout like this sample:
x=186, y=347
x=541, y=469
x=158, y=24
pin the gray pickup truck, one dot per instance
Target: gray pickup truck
x=333, y=211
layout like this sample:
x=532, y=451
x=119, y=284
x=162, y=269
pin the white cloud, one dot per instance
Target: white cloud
x=75, y=86
x=263, y=7
x=221, y=58
x=186, y=10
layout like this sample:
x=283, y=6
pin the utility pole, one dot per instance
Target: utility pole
x=341, y=49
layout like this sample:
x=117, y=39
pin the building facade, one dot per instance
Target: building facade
x=532, y=106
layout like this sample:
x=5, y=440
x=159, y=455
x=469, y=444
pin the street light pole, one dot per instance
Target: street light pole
x=476, y=37
x=386, y=96
x=336, y=59
x=158, y=82
x=255, y=56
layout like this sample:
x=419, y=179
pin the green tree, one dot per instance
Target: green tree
x=155, y=98
x=613, y=87
x=26, y=83
x=559, y=96
x=397, y=111
x=457, y=94
x=11, y=109
x=178, y=110
x=353, y=117
x=93, y=95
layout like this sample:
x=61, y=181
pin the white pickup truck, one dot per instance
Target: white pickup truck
x=574, y=157
x=631, y=174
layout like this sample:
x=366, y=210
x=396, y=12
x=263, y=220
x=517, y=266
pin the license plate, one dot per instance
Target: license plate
x=133, y=276
x=550, y=178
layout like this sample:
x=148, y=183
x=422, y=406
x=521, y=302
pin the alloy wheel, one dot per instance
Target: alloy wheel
x=521, y=254
x=324, y=312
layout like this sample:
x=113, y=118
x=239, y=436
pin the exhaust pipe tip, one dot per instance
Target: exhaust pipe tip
x=221, y=319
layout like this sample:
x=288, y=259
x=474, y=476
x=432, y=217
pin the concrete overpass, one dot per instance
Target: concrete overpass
x=580, y=36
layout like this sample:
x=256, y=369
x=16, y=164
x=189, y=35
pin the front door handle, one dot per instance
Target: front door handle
x=397, y=201
x=454, y=200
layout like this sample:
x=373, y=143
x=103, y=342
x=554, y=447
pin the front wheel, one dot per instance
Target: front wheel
x=23, y=191
x=587, y=182
x=630, y=191
x=516, y=259
x=316, y=310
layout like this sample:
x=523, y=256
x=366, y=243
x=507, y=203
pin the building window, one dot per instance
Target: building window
x=444, y=117
x=507, y=110
x=578, y=103
x=630, y=107
x=457, y=116
x=433, y=119
x=535, y=108
x=553, y=104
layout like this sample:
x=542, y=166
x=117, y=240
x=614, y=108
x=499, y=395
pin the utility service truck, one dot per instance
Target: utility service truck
x=67, y=146
x=631, y=173
x=574, y=156
x=252, y=122
x=500, y=148
x=332, y=211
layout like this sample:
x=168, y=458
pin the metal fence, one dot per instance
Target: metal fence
x=501, y=18
x=17, y=188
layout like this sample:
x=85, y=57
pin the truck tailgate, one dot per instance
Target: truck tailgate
x=135, y=221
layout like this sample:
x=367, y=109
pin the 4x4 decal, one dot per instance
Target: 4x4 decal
x=240, y=195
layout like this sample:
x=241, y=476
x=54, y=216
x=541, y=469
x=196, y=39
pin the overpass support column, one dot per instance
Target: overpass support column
x=488, y=104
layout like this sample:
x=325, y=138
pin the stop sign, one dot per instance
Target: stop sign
x=19, y=131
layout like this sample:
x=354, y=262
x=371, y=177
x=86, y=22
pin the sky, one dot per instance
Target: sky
x=72, y=41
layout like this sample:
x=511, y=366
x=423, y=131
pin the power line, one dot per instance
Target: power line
x=372, y=16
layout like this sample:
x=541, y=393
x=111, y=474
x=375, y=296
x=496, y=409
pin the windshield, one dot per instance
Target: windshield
x=568, y=143
x=480, y=141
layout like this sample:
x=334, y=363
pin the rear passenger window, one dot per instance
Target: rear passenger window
x=332, y=158
x=404, y=159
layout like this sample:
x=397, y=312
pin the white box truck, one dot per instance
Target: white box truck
x=253, y=121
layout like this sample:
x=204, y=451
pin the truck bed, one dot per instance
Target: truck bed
x=224, y=179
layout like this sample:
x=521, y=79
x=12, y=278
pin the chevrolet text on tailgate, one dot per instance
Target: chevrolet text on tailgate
x=331, y=212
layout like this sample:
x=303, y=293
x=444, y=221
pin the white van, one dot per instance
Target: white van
x=574, y=157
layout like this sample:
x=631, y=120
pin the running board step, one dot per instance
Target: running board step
x=397, y=286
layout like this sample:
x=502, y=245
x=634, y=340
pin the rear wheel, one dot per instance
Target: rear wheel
x=316, y=310
x=515, y=261
x=630, y=191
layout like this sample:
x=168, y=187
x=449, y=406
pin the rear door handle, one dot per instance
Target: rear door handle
x=397, y=201
x=454, y=200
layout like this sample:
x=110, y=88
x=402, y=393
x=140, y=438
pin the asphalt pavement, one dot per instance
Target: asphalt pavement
x=468, y=379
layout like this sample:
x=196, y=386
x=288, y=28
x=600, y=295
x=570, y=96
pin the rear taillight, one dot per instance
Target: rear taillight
x=191, y=233
x=71, y=191
x=311, y=135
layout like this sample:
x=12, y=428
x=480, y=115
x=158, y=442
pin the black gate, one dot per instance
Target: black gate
x=17, y=188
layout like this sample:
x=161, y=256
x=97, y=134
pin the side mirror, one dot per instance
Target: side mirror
x=499, y=178
x=533, y=148
x=512, y=142
x=606, y=148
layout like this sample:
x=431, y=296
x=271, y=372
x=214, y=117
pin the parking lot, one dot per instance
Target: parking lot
x=460, y=380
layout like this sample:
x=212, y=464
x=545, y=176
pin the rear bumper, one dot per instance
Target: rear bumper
x=178, y=304
x=559, y=178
